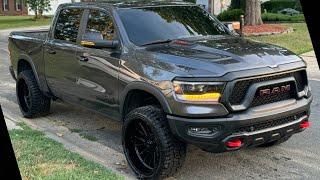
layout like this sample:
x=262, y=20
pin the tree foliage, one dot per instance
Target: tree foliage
x=238, y=4
x=39, y=6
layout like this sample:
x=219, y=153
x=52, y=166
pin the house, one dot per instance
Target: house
x=19, y=7
x=217, y=6
x=13, y=7
x=214, y=6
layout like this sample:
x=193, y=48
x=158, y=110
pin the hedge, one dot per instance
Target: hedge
x=282, y=17
x=271, y=6
x=234, y=15
x=238, y=4
x=231, y=15
x=190, y=1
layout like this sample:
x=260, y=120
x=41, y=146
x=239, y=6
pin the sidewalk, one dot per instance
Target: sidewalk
x=11, y=124
x=312, y=64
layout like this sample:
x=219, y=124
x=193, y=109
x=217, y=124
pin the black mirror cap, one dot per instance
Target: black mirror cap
x=100, y=43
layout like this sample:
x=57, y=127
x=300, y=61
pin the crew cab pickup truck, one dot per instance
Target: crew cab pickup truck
x=170, y=72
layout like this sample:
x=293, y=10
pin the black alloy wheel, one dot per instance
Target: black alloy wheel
x=149, y=146
x=143, y=147
x=24, y=96
x=31, y=100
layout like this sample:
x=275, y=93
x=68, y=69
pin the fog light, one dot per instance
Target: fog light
x=304, y=124
x=235, y=143
x=201, y=131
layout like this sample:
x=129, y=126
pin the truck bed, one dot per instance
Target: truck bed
x=28, y=45
x=34, y=34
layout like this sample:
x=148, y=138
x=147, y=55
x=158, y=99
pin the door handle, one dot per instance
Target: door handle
x=83, y=58
x=50, y=51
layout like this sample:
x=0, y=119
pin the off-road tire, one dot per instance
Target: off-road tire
x=39, y=104
x=277, y=142
x=172, y=151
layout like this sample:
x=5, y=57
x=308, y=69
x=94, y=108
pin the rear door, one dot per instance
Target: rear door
x=98, y=73
x=60, y=49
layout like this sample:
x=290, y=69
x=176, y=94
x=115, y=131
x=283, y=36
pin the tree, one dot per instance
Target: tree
x=39, y=6
x=253, y=12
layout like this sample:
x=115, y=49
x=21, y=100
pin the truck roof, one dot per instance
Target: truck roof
x=129, y=4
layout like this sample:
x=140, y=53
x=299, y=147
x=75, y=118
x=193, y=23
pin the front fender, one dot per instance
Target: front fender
x=147, y=88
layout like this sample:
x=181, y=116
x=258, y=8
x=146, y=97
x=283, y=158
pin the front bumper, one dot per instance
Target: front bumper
x=254, y=126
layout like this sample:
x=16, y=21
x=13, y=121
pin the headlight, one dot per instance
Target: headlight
x=198, y=91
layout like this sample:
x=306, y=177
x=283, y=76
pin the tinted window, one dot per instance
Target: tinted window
x=68, y=24
x=100, y=26
x=144, y=25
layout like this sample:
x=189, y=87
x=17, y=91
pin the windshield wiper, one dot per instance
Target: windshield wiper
x=157, y=42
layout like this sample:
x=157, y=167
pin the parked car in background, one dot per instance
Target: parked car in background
x=289, y=11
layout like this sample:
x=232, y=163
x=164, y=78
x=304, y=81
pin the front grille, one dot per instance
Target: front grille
x=241, y=87
x=281, y=96
x=271, y=123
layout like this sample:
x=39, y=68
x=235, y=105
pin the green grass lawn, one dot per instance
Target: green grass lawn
x=7, y=22
x=42, y=158
x=298, y=41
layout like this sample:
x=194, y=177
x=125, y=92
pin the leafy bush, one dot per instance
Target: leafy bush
x=276, y=5
x=238, y=4
x=231, y=15
x=190, y=1
x=282, y=17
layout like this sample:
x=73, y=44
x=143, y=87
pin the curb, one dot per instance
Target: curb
x=66, y=141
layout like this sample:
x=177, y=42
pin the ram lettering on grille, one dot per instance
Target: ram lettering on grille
x=275, y=90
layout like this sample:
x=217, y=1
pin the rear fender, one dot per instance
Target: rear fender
x=27, y=58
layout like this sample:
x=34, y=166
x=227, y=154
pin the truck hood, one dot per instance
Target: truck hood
x=218, y=56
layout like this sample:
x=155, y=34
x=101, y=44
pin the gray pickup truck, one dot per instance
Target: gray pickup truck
x=170, y=72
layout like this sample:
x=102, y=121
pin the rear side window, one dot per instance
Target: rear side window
x=68, y=24
x=99, y=26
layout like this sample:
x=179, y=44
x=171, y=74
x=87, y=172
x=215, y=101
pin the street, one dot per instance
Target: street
x=99, y=139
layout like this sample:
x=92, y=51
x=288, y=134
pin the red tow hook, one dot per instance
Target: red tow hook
x=304, y=124
x=235, y=143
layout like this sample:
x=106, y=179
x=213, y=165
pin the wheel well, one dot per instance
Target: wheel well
x=138, y=98
x=23, y=65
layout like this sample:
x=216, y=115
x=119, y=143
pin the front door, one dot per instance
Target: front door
x=60, y=49
x=97, y=77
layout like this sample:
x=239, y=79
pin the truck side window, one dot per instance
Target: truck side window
x=100, y=26
x=68, y=24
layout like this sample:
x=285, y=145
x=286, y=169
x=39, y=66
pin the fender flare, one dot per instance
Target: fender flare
x=138, y=85
x=33, y=68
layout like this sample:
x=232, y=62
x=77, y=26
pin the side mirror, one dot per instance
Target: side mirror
x=233, y=27
x=100, y=43
x=229, y=26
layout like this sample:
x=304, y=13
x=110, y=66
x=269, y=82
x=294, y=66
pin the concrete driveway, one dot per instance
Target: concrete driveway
x=298, y=158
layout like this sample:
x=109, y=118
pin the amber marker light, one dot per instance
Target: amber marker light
x=198, y=91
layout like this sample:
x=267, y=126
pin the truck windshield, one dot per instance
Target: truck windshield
x=153, y=24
